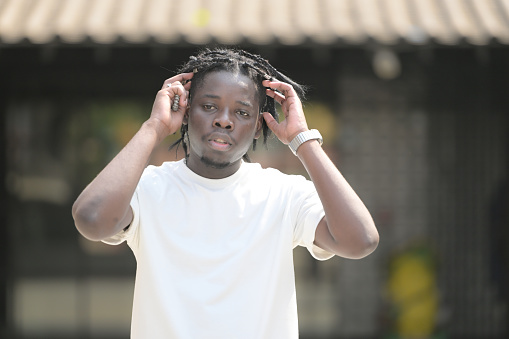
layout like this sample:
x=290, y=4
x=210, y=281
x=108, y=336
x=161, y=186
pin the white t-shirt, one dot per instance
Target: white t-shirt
x=215, y=256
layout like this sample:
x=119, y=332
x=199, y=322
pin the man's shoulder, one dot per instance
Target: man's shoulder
x=165, y=167
x=159, y=173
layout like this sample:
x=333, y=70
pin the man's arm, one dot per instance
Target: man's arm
x=347, y=229
x=103, y=208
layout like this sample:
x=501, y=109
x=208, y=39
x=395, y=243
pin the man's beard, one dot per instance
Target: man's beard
x=213, y=164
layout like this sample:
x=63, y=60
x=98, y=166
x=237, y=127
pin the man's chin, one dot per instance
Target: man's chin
x=214, y=163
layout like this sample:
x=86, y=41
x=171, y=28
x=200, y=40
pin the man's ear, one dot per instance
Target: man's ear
x=259, y=125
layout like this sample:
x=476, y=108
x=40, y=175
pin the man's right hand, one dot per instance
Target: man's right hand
x=168, y=121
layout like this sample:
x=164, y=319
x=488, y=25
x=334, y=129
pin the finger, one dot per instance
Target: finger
x=177, y=94
x=282, y=87
x=182, y=78
x=175, y=88
x=280, y=98
x=181, y=89
x=271, y=122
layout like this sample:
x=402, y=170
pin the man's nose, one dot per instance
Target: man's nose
x=223, y=120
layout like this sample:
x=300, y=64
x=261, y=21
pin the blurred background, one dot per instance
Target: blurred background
x=412, y=97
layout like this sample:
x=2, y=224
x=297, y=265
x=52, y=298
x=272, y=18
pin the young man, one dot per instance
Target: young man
x=213, y=234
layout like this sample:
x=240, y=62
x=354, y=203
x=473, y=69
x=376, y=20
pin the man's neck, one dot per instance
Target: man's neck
x=209, y=169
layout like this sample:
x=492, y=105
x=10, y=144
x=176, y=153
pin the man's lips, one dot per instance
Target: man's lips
x=220, y=143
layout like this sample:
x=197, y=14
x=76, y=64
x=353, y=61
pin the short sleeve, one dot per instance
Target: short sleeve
x=309, y=213
x=128, y=233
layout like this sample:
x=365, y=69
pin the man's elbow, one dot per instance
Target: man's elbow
x=88, y=223
x=367, y=246
x=362, y=246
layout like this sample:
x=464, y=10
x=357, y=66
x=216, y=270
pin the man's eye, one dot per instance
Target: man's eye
x=208, y=107
x=243, y=113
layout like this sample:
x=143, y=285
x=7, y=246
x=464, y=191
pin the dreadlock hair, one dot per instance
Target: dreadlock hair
x=235, y=60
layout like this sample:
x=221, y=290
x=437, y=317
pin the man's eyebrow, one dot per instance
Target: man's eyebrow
x=245, y=103
x=213, y=96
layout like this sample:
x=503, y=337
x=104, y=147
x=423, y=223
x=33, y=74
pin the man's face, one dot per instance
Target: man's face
x=223, y=119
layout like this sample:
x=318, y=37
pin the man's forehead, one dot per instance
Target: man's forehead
x=237, y=78
x=223, y=83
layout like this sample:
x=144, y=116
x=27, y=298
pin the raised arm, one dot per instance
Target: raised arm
x=103, y=208
x=347, y=229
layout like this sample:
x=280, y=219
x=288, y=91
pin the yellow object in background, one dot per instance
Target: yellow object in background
x=201, y=17
x=413, y=292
